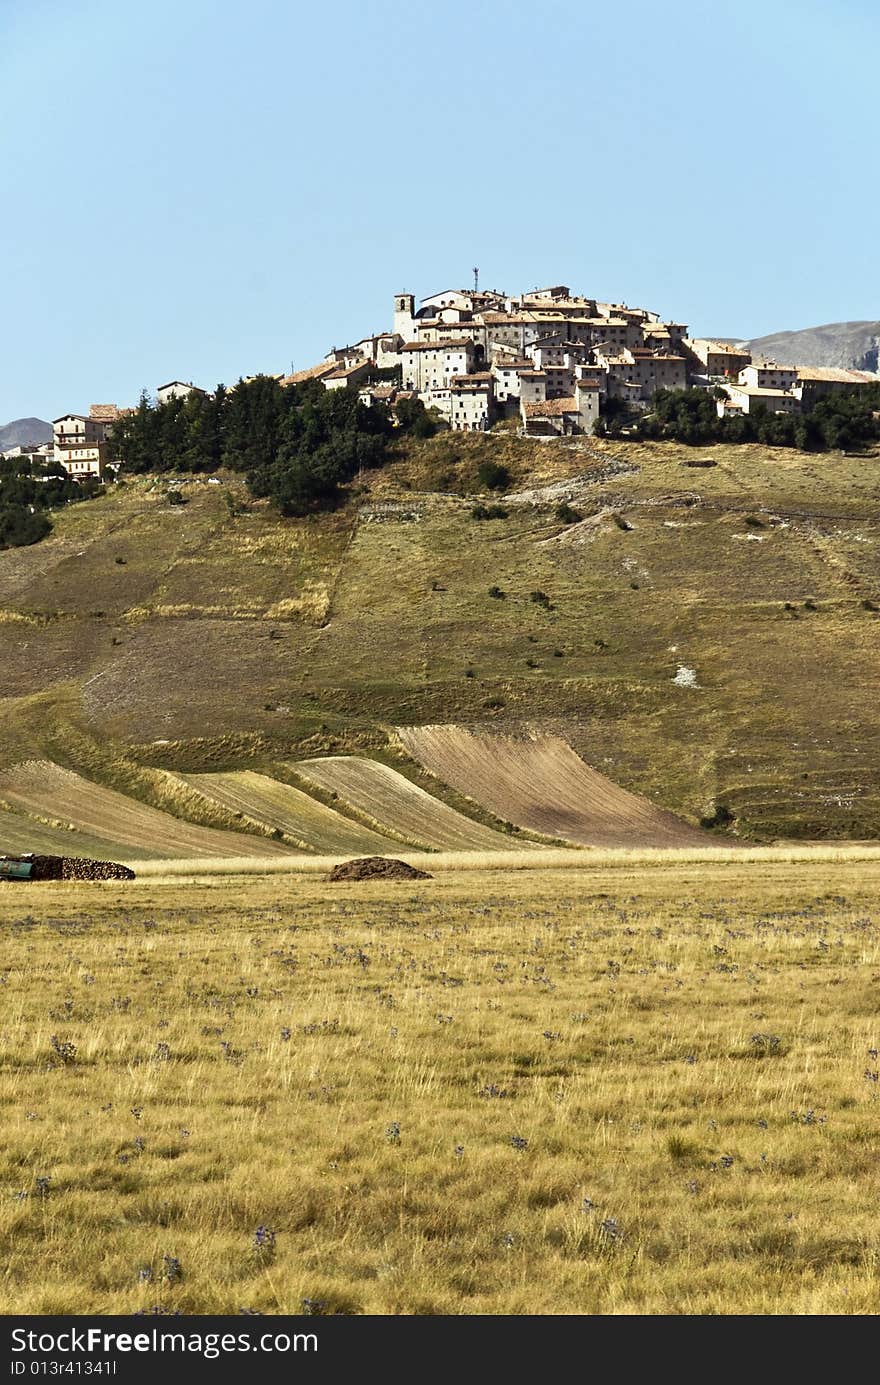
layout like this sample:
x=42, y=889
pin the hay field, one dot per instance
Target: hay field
x=57, y=796
x=394, y=802
x=636, y=1090
x=304, y=820
x=538, y=782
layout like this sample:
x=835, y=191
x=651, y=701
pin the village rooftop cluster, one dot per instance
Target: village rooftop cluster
x=548, y=358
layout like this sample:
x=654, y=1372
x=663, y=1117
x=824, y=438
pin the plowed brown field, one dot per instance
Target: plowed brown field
x=538, y=782
x=395, y=802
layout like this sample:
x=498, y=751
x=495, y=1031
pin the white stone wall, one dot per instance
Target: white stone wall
x=775, y=377
x=470, y=410
x=82, y=461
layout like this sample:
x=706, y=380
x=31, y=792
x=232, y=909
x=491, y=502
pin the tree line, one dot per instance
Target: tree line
x=846, y=419
x=28, y=492
x=298, y=445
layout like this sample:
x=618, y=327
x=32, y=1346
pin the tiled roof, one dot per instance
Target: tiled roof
x=835, y=376
x=757, y=392
x=435, y=345
x=470, y=382
x=315, y=372
x=342, y=372
x=550, y=408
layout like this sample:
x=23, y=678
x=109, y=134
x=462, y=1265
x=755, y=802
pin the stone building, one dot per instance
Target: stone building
x=80, y=441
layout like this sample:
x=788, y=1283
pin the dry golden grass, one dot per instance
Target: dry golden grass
x=554, y=858
x=623, y=1089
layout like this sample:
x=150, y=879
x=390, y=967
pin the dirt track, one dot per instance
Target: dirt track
x=540, y=783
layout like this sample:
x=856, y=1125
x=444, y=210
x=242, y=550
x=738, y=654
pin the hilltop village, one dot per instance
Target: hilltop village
x=552, y=361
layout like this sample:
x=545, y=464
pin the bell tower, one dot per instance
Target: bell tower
x=404, y=312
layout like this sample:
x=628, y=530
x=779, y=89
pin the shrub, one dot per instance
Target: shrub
x=680, y=1150
x=566, y=515
x=493, y=476
x=540, y=599
x=481, y=511
x=497, y=593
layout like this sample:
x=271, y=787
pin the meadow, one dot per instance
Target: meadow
x=641, y=1085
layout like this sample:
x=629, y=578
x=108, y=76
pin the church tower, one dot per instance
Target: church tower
x=404, y=311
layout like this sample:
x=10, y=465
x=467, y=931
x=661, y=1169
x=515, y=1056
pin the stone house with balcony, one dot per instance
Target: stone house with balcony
x=80, y=441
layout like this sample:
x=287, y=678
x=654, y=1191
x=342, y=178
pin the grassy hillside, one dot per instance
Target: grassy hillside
x=214, y=637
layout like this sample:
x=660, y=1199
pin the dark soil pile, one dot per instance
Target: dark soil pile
x=75, y=868
x=377, y=868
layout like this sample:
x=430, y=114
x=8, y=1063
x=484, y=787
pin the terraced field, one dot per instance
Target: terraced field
x=393, y=801
x=311, y=824
x=50, y=792
x=540, y=783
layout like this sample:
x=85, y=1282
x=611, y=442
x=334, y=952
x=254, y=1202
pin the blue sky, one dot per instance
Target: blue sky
x=205, y=190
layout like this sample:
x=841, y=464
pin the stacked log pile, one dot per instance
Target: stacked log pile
x=72, y=868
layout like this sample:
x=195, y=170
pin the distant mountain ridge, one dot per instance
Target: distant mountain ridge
x=25, y=432
x=843, y=345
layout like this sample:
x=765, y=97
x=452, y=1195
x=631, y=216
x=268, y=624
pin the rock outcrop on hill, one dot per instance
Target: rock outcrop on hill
x=843, y=345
